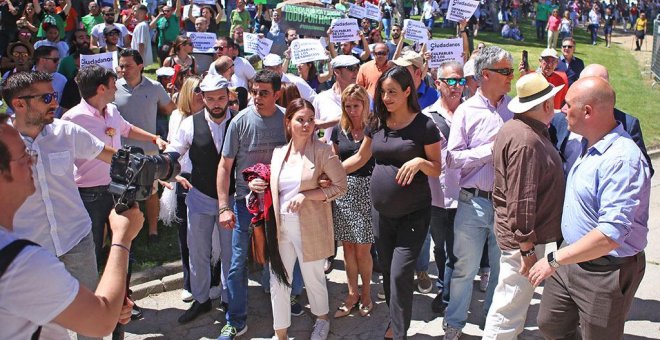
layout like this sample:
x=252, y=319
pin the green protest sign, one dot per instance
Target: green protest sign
x=309, y=20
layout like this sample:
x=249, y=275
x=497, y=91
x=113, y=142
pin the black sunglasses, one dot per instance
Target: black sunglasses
x=567, y=46
x=219, y=48
x=46, y=97
x=502, y=71
x=380, y=53
x=454, y=81
x=233, y=102
x=352, y=68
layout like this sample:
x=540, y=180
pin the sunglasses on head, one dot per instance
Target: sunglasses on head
x=47, y=98
x=454, y=81
x=502, y=71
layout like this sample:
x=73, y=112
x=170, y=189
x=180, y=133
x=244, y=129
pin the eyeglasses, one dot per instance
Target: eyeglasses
x=20, y=54
x=109, y=14
x=502, y=71
x=197, y=90
x=47, y=98
x=454, y=81
x=31, y=154
x=54, y=59
x=352, y=68
x=261, y=93
x=25, y=34
x=380, y=53
x=567, y=46
x=549, y=60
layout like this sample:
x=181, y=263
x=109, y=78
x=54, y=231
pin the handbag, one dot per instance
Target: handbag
x=258, y=242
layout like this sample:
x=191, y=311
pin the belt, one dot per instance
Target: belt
x=97, y=189
x=607, y=263
x=480, y=193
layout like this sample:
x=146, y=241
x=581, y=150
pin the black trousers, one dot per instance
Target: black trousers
x=399, y=241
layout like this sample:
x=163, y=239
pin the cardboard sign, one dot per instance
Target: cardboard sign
x=106, y=60
x=356, y=11
x=204, y=2
x=196, y=12
x=308, y=20
x=254, y=45
x=306, y=50
x=447, y=49
x=415, y=31
x=372, y=11
x=202, y=42
x=344, y=30
x=461, y=9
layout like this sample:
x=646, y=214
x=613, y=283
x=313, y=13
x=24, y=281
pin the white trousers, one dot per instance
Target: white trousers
x=513, y=294
x=290, y=245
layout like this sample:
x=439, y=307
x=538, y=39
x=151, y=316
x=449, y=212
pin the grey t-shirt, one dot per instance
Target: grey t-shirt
x=251, y=139
x=139, y=107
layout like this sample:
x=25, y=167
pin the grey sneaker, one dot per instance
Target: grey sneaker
x=381, y=293
x=483, y=281
x=424, y=283
x=321, y=329
x=452, y=333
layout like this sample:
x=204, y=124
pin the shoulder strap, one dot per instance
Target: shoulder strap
x=442, y=124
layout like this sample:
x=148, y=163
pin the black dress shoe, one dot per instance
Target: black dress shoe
x=136, y=313
x=224, y=307
x=195, y=310
x=118, y=333
x=437, y=305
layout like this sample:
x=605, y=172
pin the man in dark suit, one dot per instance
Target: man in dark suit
x=566, y=142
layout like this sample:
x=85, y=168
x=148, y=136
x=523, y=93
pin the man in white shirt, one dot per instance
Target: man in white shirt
x=244, y=73
x=142, y=37
x=274, y=63
x=98, y=40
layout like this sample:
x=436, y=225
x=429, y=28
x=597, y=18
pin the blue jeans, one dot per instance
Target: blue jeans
x=387, y=27
x=540, y=29
x=429, y=22
x=237, y=280
x=473, y=226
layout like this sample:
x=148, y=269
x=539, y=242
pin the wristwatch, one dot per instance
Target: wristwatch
x=552, y=260
x=527, y=253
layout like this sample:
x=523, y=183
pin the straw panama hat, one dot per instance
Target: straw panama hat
x=532, y=89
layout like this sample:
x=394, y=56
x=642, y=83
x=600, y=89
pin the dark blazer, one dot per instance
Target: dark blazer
x=559, y=132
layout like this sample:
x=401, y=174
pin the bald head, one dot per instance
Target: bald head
x=595, y=70
x=595, y=91
x=223, y=64
x=589, y=108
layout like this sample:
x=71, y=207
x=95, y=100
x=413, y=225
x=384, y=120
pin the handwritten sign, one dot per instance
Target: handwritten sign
x=372, y=11
x=106, y=60
x=254, y=45
x=344, y=30
x=461, y=9
x=202, y=42
x=196, y=10
x=356, y=11
x=306, y=50
x=415, y=31
x=308, y=20
x=443, y=50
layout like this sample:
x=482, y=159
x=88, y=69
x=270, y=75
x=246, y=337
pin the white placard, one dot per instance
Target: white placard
x=106, y=60
x=196, y=12
x=461, y=9
x=306, y=50
x=344, y=30
x=202, y=42
x=327, y=2
x=204, y=2
x=373, y=12
x=415, y=31
x=255, y=45
x=447, y=49
x=356, y=11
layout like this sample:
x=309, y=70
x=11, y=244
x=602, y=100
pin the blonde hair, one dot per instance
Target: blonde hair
x=356, y=92
x=186, y=95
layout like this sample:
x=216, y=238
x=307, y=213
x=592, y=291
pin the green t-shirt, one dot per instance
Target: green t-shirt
x=241, y=19
x=168, y=29
x=542, y=12
x=53, y=19
x=89, y=21
x=67, y=67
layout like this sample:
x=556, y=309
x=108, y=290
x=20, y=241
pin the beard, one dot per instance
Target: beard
x=109, y=21
x=217, y=112
x=396, y=36
x=37, y=119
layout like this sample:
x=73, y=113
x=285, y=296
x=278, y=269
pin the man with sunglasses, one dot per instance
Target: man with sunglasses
x=98, y=36
x=548, y=65
x=202, y=137
x=371, y=71
x=54, y=216
x=568, y=63
x=46, y=59
x=475, y=125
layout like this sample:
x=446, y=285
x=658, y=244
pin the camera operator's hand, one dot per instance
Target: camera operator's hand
x=184, y=182
x=258, y=185
x=161, y=143
x=227, y=219
x=126, y=311
x=125, y=226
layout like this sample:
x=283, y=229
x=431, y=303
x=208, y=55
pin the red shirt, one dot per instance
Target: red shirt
x=559, y=78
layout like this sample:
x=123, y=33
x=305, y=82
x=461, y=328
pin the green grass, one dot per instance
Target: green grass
x=634, y=93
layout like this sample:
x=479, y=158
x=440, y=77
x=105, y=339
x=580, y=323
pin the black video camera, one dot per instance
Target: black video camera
x=133, y=174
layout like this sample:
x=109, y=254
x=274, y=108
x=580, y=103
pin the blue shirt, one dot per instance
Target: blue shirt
x=572, y=69
x=426, y=96
x=608, y=189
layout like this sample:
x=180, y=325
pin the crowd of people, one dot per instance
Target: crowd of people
x=371, y=149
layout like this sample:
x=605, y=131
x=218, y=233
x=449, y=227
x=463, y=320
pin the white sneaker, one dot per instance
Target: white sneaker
x=321, y=329
x=483, y=281
x=215, y=292
x=186, y=296
x=452, y=333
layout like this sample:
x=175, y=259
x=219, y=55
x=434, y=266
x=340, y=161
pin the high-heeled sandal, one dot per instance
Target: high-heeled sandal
x=345, y=310
x=366, y=309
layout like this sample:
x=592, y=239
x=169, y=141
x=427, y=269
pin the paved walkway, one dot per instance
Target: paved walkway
x=162, y=310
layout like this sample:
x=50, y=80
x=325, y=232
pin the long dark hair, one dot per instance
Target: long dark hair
x=293, y=107
x=404, y=79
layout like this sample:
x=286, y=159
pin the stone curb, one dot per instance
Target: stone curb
x=654, y=154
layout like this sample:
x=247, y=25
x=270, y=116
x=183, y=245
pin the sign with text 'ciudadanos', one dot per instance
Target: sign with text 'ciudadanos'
x=308, y=20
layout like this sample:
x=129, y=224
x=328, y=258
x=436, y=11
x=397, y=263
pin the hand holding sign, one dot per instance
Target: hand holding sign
x=202, y=42
x=344, y=30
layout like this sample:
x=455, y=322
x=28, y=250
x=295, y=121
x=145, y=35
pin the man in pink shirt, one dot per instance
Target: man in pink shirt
x=102, y=119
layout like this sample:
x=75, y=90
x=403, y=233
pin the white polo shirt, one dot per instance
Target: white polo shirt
x=327, y=105
x=54, y=216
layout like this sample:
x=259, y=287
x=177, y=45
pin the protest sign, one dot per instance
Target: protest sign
x=106, y=60
x=308, y=20
x=204, y=2
x=442, y=50
x=327, y=2
x=306, y=50
x=415, y=31
x=461, y=9
x=372, y=11
x=196, y=10
x=202, y=41
x=344, y=30
x=254, y=45
x=356, y=11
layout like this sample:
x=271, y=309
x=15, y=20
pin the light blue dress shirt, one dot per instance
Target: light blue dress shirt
x=608, y=189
